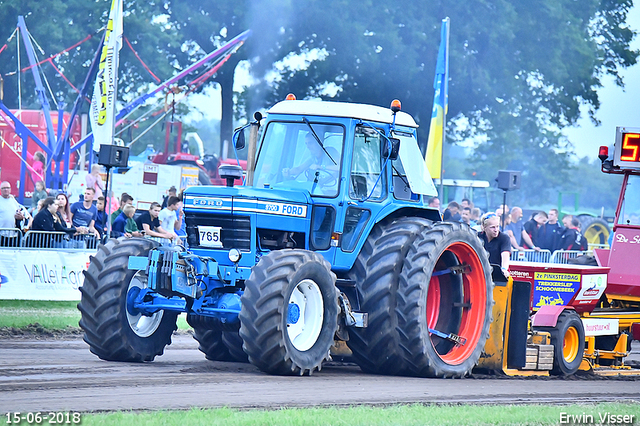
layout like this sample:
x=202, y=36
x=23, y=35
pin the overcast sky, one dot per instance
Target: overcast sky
x=618, y=107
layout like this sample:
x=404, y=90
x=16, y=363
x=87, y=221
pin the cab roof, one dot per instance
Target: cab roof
x=342, y=109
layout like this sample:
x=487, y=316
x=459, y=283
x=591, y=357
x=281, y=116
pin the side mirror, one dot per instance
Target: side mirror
x=395, y=149
x=239, y=138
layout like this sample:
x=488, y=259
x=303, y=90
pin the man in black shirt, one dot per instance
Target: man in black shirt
x=496, y=243
x=150, y=224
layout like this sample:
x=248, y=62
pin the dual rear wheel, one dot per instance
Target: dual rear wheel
x=428, y=291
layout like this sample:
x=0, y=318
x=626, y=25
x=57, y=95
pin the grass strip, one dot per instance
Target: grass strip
x=400, y=415
x=49, y=315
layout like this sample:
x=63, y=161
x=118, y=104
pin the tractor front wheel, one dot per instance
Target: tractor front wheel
x=289, y=313
x=112, y=327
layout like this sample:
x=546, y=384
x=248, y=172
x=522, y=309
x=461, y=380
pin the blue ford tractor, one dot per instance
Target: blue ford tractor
x=329, y=239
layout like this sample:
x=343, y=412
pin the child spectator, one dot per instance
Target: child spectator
x=124, y=200
x=94, y=180
x=38, y=194
x=101, y=217
x=124, y=225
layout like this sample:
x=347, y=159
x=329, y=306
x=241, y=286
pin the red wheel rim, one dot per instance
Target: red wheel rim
x=433, y=302
x=474, y=294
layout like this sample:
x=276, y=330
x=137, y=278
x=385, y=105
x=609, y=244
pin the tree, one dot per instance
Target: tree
x=56, y=25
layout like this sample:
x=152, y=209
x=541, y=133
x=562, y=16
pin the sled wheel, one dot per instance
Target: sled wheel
x=445, y=288
x=289, y=312
x=113, y=331
x=568, y=341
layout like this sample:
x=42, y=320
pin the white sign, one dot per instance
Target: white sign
x=42, y=274
x=210, y=236
x=592, y=287
x=600, y=326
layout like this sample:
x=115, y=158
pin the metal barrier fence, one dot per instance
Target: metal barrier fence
x=563, y=256
x=530, y=255
x=47, y=239
x=13, y=238
x=10, y=237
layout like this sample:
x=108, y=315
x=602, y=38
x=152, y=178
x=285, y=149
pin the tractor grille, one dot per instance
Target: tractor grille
x=235, y=230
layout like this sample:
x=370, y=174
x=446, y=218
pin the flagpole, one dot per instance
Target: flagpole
x=444, y=112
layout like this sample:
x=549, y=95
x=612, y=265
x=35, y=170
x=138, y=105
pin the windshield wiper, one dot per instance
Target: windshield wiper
x=313, y=132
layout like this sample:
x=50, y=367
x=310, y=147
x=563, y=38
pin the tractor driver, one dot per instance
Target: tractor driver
x=323, y=164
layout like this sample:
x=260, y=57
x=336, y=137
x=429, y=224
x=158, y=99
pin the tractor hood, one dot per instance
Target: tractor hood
x=246, y=199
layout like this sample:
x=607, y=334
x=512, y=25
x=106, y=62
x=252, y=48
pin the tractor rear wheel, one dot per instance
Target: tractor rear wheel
x=209, y=339
x=568, y=340
x=233, y=342
x=445, y=300
x=594, y=229
x=289, y=313
x=112, y=328
x=376, y=348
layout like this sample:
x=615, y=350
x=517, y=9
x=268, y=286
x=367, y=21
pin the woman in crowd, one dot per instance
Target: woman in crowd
x=47, y=220
x=64, y=210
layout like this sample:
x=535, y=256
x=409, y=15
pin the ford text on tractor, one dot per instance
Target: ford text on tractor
x=329, y=239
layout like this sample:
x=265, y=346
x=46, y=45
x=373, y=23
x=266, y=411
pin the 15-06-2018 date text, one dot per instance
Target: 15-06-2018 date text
x=43, y=417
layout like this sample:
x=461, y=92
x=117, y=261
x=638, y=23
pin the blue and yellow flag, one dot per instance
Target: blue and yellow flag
x=102, y=112
x=433, y=156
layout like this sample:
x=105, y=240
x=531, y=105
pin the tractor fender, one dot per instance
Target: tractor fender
x=547, y=316
x=391, y=212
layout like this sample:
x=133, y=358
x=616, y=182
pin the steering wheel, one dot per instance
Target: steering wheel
x=325, y=177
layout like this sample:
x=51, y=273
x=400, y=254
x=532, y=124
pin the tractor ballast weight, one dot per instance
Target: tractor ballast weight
x=329, y=239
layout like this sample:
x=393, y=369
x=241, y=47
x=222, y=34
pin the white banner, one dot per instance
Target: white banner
x=103, y=103
x=42, y=274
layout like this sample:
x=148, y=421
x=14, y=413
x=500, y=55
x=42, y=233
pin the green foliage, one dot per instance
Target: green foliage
x=50, y=315
x=596, y=189
x=399, y=415
x=56, y=25
x=519, y=70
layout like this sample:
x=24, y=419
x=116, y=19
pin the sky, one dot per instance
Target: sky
x=618, y=106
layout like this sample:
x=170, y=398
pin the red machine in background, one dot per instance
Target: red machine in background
x=177, y=152
x=11, y=151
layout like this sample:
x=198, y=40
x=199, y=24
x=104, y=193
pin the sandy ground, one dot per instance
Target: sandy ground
x=54, y=374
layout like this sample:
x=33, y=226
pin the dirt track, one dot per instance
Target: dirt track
x=38, y=375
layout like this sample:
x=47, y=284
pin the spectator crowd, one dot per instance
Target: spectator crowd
x=61, y=224
x=504, y=231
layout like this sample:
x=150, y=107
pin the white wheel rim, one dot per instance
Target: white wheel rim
x=305, y=317
x=142, y=325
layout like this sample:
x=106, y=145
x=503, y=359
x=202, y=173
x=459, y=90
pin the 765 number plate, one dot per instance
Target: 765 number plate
x=210, y=236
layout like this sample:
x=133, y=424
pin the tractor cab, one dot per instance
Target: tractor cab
x=321, y=176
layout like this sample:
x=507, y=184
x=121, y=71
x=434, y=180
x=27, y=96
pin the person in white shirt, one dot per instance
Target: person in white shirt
x=169, y=220
x=10, y=211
